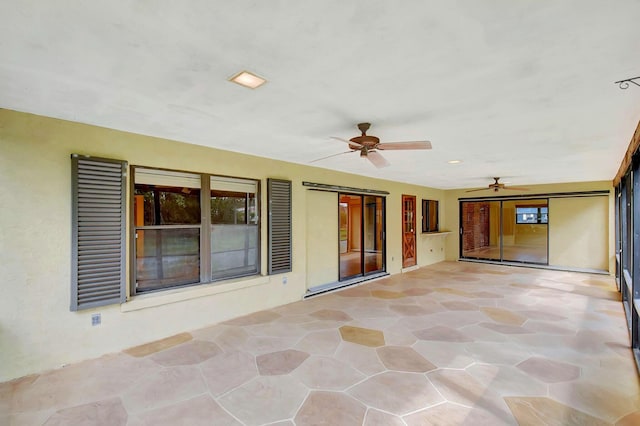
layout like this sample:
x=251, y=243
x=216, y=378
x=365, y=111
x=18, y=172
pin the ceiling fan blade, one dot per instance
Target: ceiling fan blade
x=515, y=188
x=378, y=160
x=404, y=145
x=332, y=155
x=346, y=141
x=479, y=189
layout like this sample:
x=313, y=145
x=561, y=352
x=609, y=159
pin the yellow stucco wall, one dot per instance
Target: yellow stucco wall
x=37, y=329
x=322, y=238
x=576, y=232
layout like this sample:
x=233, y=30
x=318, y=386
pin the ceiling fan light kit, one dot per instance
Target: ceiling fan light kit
x=369, y=145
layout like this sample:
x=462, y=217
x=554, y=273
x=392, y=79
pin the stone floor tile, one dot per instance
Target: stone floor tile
x=109, y=412
x=378, y=418
x=228, y=371
x=539, y=410
x=274, y=329
x=28, y=418
x=542, y=315
x=632, y=419
x=502, y=353
x=486, y=295
x=201, y=410
x=548, y=370
x=282, y=362
x=320, y=342
x=505, y=328
x=409, y=310
x=385, y=294
x=458, y=386
x=158, y=345
x=447, y=414
x=503, y=316
x=265, y=400
x=260, y=317
x=209, y=333
x=362, y=336
x=359, y=291
x=442, y=333
x=164, y=387
x=453, y=292
x=327, y=373
x=444, y=354
x=401, y=358
x=483, y=334
x=362, y=358
x=232, y=338
x=594, y=399
x=294, y=319
x=458, y=305
x=506, y=380
x=411, y=392
x=192, y=352
x=330, y=408
x=331, y=314
x=547, y=327
x=398, y=336
x=417, y=291
x=259, y=345
x=453, y=319
x=81, y=383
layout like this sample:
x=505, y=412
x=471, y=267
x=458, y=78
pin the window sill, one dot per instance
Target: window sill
x=178, y=295
x=428, y=234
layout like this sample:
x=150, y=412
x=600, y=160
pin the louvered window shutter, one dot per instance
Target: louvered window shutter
x=279, y=224
x=98, y=240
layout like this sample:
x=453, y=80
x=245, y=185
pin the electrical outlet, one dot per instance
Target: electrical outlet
x=96, y=319
x=284, y=280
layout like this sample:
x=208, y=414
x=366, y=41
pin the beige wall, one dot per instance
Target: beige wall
x=322, y=238
x=605, y=232
x=577, y=236
x=37, y=329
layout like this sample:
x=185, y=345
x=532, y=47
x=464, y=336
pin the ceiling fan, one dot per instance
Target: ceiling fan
x=496, y=186
x=368, y=146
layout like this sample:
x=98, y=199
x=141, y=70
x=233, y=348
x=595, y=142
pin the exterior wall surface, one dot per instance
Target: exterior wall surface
x=37, y=329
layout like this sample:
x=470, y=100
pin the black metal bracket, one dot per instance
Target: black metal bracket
x=624, y=84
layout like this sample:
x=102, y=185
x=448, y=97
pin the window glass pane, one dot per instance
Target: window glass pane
x=167, y=257
x=234, y=228
x=373, y=238
x=162, y=205
x=234, y=250
x=350, y=235
x=429, y=216
x=544, y=214
x=527, y=215
x=233, y=208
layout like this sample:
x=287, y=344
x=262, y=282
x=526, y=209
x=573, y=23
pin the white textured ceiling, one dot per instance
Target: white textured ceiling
x=520, y=89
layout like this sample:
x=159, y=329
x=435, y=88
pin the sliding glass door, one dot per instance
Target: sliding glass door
x=524, y=230
x=510, y=231
x=361, y=235
x=481, y=237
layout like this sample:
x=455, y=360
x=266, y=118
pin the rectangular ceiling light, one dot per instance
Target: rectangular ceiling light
x=247, y=79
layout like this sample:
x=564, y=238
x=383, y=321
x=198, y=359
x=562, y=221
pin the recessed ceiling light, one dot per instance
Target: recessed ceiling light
x=248, y=79
x=454, y=161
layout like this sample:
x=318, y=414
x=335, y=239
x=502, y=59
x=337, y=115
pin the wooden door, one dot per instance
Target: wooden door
x=408, y=230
